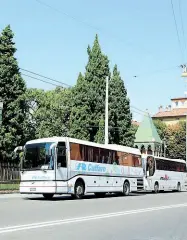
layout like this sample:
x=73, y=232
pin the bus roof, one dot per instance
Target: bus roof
x=74, y=140
x=169, y=159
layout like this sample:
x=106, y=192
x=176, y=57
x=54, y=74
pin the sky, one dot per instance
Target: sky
x=52, y=36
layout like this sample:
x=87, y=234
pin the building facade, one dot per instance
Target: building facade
x=173, y=113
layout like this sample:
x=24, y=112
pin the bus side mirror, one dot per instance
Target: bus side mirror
x=17, y=151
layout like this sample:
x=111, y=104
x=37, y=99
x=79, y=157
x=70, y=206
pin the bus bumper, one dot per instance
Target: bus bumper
x=36, y=187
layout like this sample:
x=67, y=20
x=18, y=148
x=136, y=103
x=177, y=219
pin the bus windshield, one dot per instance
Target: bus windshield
x=36, y=157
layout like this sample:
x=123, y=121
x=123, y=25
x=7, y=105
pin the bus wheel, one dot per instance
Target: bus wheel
x=156, y=188
x=48, y=196
x=126, y=188
x=79, y=189
x=178, y=187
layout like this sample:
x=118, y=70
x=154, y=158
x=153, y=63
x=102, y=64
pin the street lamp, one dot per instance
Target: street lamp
x=1, y=109
x=106, y=112
x=184, y=74
x=186, y=138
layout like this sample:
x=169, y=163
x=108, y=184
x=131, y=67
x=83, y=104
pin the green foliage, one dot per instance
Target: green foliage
x=161, y=128
x=176, y=140
x=99, y=138
x=12, y=87
x=134, y=129
x=48, y=113
x=97, y=70
x=89, y=96
x=120, y=117
x=80, y=112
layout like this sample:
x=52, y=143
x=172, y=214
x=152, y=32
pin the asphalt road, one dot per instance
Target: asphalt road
x=137, y=217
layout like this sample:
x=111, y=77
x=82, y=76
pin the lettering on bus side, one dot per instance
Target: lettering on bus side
x=40, y=177
x=90, y=167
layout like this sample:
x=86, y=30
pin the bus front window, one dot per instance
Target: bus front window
x=37, y=157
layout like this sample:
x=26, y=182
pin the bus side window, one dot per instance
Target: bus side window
x=61, y=155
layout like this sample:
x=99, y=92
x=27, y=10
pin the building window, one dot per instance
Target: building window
x=176, y=103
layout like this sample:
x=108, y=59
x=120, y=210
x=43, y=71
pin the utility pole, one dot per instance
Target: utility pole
x=184, y=74
x=106, y=113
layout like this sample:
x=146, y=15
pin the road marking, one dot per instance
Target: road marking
x=87, y=218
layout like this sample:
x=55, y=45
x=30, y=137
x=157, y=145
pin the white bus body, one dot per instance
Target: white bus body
x=163, y=174
x=60, y=165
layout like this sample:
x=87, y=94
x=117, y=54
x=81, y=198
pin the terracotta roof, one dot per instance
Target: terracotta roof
x=179, y=98
x=176, y=112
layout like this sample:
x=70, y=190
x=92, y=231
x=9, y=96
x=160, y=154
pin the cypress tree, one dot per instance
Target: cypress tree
x=89, y=95
x=120, y=118
x=80, y=113
x=100, y=136
x=12, y=86
x=97, y=70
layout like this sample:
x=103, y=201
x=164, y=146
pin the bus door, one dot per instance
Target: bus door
x=150, y=168
x=61, y=167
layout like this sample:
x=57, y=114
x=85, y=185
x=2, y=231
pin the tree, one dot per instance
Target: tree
x=12, y=86
x=100, y=136
x=120, y=117
x=49, y=112
x=80, y=113
x=89, y=95
x=161, y=128
x=134, y=129
x=176, y=140
x=97, y=70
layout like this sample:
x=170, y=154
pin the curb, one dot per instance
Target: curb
x=8, y=191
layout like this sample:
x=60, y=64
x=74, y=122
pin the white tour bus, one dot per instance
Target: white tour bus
x=163, y=174
x=61, y=165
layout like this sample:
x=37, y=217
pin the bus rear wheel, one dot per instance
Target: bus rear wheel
x=178, y=187
x=126, y=188
x=156, y=188
x=48, y=196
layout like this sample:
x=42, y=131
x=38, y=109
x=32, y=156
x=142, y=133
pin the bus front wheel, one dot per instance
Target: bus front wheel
x=48, y=196
x=79, y=189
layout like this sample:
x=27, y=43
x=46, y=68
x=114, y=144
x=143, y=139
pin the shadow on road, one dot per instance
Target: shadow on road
x=91, y=196
x=87, y=197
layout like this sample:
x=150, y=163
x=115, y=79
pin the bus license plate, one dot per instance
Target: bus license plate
x=32, y=189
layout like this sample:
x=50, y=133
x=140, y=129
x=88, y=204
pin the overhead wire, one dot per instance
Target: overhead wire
x=138, y=109
x=51, y=79
x=182, y=25
x=156, y=71
x=68, y=15
x=41, y=80
x=177, y=31
x=56, y=85
x=77, y=19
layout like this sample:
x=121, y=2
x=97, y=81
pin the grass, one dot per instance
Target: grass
x=9, y=186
